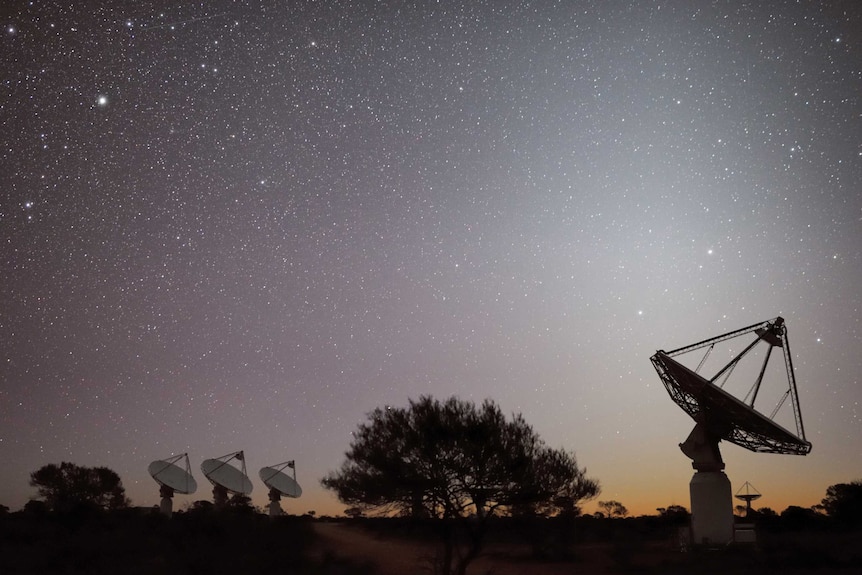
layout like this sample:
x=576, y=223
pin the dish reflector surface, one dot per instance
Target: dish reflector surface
x=725, y=416
x=173, y=476
x=280, y=481
x=228, y=476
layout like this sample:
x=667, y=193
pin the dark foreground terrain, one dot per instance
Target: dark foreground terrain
x=206, y=542
x=644, y=545
x=142, y=542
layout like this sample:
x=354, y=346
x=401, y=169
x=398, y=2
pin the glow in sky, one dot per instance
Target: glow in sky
x=285, y=214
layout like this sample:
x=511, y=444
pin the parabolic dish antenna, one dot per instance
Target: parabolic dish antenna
x=225, y=477
x=718, y=415
x=748, y=494
x=279, y=484
x=275, y=478
x=167, y=473
x=172, y=478
x=725, y=416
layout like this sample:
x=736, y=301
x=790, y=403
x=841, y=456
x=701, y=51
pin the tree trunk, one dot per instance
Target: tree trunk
x=448, y=548
x=475, y=542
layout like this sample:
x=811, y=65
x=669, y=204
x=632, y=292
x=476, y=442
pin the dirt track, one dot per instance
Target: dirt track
x=398, y=557
x=389, y=557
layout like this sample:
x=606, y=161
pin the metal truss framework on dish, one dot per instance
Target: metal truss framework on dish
x=726, y=416
x=718, y=415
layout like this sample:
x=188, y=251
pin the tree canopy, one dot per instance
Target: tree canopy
x=843, y=502
x=613, y=508
x=67, y=486
x=453, y=460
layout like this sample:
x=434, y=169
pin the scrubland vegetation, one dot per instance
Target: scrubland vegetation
x=204, y=540
x=452, y=489
x=135, y=541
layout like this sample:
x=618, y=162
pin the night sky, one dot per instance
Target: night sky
x=244, y=225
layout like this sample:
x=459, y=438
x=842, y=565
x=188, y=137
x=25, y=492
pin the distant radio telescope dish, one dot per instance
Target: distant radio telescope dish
x=279, y=484
x=718, y=415
x=748, y=494
x=172, y=478
x=225, y=477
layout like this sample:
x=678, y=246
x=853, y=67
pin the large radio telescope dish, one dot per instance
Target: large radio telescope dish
x=718, y=415
x=168, y=474
x=274, y=478
x=279, y=484
x=225, y=477
x=722, y=415
x=172, y=478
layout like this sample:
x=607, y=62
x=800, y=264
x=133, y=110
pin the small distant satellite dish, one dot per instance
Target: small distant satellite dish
x=279, y=484
x=225, y=477
x=172, y=478
x=748, y=494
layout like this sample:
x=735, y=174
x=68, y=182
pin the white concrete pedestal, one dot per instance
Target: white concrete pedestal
x=166, y=506
x=711, y=509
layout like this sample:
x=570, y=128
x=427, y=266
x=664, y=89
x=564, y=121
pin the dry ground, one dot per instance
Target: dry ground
x=788, y=554
x=400, y=557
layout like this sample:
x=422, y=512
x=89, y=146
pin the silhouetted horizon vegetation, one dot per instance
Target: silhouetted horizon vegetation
x=143, y=541
x=203, y=539
x=463, y=476
x=457, y=465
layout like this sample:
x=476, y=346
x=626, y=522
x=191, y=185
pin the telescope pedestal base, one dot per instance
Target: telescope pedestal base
x=166, y=507
x=220, y=496
x=711, y=509
x=275, y=509
x=274, y=506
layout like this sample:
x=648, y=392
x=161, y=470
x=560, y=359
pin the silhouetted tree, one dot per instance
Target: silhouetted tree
x=201, y=505
x=240, y=502
x=36, y=507
x=68, y=486
x=675, y=515
x=843, y=502
x=354, y=512
x=673, y=511
x=613, y=508
x=796, y=517
x=458, y=464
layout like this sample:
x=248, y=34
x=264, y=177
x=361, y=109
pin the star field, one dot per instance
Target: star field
x=243, y=225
